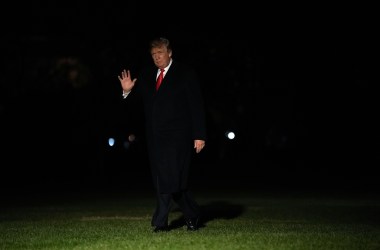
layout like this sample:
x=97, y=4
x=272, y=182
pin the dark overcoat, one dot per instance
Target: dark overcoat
x=174, y=117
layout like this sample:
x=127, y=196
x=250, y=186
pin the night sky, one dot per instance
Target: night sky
x=295, y=85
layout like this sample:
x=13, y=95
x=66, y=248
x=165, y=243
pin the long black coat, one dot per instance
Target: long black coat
x=174, y=117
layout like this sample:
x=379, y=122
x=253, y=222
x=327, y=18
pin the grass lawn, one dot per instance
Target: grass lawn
x=237, y=219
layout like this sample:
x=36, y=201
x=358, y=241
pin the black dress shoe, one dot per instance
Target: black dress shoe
x=161, y=229
x=192, y=224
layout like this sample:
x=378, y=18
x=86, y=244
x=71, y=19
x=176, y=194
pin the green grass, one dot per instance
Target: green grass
x=234, y=220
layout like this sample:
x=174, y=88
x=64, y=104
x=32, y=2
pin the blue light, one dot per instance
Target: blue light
x=111, y=141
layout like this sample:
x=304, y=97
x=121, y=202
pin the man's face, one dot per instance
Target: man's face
x=161, y=56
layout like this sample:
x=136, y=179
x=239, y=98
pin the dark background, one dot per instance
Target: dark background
x=295, y=83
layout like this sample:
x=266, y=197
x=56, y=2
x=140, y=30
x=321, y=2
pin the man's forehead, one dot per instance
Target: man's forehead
x=159, y=49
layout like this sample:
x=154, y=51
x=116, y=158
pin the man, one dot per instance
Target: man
x=175, y=125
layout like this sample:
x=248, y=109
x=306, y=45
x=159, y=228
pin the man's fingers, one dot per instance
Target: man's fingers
x=124, y=74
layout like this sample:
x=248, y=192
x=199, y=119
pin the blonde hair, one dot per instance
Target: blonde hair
x=160, y=42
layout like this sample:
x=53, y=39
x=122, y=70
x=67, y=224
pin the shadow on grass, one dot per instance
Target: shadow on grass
x=210, y=212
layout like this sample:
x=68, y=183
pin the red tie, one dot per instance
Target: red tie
x=159, y=79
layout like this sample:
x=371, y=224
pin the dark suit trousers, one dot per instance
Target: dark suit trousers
x=184, y=200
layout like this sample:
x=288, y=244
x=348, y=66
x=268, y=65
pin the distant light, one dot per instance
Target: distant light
x=111, y=142
x=230, y=135
x=131, y=137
